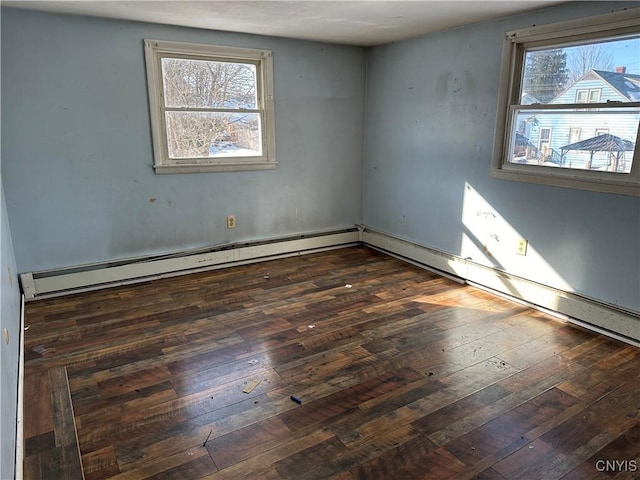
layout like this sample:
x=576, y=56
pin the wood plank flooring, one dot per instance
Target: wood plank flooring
x=53, y=453
x=400, y=374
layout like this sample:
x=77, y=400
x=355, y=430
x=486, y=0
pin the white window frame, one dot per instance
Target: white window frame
x=580, y=92
x=542, y=141
x=155, y=50
x=563, y=33
x=574, y=134
x=598, y=91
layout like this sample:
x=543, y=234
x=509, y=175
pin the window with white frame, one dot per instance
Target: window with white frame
x=577, y=76
x=591, y=95
x=574, y=135
x=544, y=139
x=211, y=107
x=594, y=95
x=582, y=95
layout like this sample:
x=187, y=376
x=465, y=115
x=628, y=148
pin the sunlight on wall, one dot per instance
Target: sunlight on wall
x=490, y=240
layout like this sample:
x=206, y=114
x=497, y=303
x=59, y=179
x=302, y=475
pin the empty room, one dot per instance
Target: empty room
x=320, y=240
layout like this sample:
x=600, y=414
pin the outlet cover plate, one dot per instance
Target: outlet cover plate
x=521, y=247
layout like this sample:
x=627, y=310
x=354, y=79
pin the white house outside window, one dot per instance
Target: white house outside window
x=572, y=77
x=211, y=107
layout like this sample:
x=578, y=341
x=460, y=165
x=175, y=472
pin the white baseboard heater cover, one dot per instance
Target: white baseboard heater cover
x=590, y=313
x=608, y=319
x=51, y=283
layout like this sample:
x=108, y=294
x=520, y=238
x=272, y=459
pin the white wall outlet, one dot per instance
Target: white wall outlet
x=231, y=221
x=521, y=247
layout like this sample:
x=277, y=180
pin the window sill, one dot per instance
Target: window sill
x=214, y=167
x=560, y=179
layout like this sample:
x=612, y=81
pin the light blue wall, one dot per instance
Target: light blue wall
x=9, y=352
x=76, y=145
x=77, y=153
x=76, y=161
x=431, y=109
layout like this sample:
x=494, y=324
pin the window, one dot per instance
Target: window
x=545, y=139
x=588, y=95
x=594, y=95
x=581, y=96
x=211, y=107
x=574, y=135
x=577, y=78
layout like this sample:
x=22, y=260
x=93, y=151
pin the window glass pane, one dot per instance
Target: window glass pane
x=594, y=95
x=607, y=70
x=581, y=96
x=574, y=135
x=608, y=137
x=210, y=135
x=199, y=83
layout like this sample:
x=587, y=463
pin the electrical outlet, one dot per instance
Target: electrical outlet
x=521, y=248
x=231, y=221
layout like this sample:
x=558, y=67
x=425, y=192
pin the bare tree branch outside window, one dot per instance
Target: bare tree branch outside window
x=584, y=58
x=211, y=108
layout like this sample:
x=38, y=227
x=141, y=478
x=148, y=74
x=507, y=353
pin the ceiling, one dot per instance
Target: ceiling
x=360, y=23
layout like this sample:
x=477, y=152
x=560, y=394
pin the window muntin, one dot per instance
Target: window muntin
x=550, y=105
x=211, y=107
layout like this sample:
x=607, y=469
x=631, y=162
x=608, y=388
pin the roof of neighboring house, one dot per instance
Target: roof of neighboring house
x=602, y=143
x=528, y=99
x=628, y=84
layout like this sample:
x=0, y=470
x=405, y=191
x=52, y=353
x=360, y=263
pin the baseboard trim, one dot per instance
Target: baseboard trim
x=51, y=283
x=602, y=317
x=19, y=472
x=618, y=322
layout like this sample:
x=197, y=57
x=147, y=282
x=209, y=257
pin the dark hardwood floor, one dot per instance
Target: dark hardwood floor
x=399, y=373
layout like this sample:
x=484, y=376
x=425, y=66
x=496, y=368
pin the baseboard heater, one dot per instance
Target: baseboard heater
x=51, y=283
x=611, y=320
